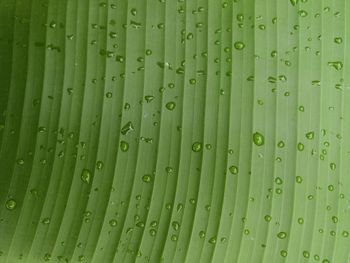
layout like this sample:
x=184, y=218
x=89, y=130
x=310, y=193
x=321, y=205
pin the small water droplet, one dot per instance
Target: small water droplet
x=338, y=65
x=310, y=135
x=175, y=225
x=46, y=221
x=233, y=169
x=267, y=218
x=99, y=165
x=170, y=105
x=280, y=144
x=124, y=146
x=212, y=240
x=300, y=146
x=85, y=176
x=11, y=204
x=294, y=2
x=196, y=146
x=282, y=235
x=128, y=127
x=149, y=98
x=146, y=178
x=302, y=13
x=201, y=234
x=333, y=166
x=299, y=179
x=258, y=139
x=338, y=40
x=239, y=45
x=113, y=223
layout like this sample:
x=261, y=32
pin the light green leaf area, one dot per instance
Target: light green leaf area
x=184, y=131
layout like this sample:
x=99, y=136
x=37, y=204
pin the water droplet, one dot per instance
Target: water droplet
x=278, y=180
x=149, y=98
x=306, y=254
x=294, y=2
x=99, y=165
x=175, y=225
x=201, y=234
x=196, y=146
x=302, y=13
x=113, y=35
x=46, y=221
x=146, y=178
x=113, y=223
x=233, y=169
x=333, y=166
x=192, y=81
x=212, y=240
x=280, y=144
x=85, y=176
x=11, y=204
x=124, y=146
x=127, y=128
x=154, y=223
x=52, y=24
x=300, y=146
x=338, y=40
x=282, y=235
x=133, y=11
x=170, y=105
x=338, y=65
x=284, y=253
x=267, y=218
x=299, y=179
x=310, y=135
x=152, y=232
x=135, y=24
x=239, y=45
x=258, y=139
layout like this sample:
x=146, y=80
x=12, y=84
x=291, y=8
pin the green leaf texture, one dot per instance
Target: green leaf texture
x=185, y=131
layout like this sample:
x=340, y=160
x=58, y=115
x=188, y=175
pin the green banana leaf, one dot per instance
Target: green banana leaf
x=184, y=131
